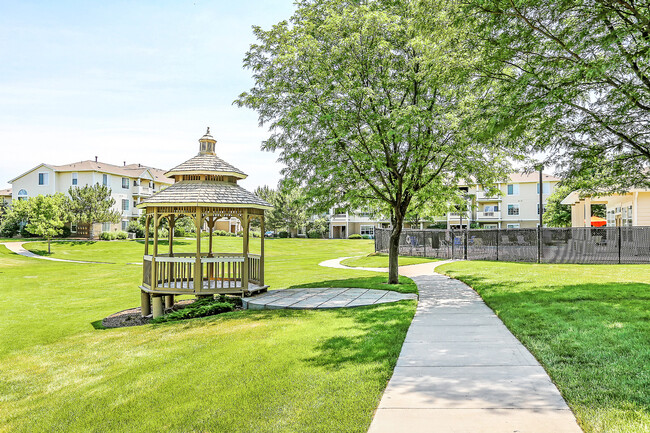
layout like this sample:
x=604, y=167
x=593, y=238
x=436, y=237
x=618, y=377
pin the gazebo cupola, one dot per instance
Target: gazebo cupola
x=206, y=191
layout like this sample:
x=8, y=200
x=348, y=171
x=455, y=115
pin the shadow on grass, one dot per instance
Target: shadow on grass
x=406, y=285
x=376, y=337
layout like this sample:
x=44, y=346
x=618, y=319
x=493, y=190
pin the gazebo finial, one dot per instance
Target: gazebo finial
x=207, y=144
x=208, y=132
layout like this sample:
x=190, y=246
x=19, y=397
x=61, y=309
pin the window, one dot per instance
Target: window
x=546, y=187
x=134, y=203
x=43, y=178
x=367, y=230
x=75, y=178
x=125, y=183
x=489, y=226
x=105, y=179
x=491, y=208
x=125, y=205
x=629, y=216
x=22, y=195
x=513, y=189
x=513, y=226
x=543, y=209
x=106, y=227
x=124, y=225
x=73, y=228
x=513, y=209
x=135, y=183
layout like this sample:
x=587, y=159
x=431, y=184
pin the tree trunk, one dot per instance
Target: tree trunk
x=48, y=245
x=393, y=250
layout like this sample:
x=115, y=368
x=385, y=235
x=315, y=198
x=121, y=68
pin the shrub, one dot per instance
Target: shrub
x=107, y=236
x=283, y=234
x=9, y=228
x=65, y=232
x=200, y=308
x=366, y=237
x=314, y=234
x=137, y=228
x=355, y=236
x=179, y=232
x=121, y=235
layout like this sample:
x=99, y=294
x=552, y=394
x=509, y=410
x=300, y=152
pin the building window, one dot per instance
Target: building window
x=125, y=183
x=125, y=205
x=22, y=195
x=513, y=189
x=546, y=187
x=73, y=228
x=106, y=227
x=630, y=219
x=75, y=178
x=105, y=179
x=124, y=225
x=513, y=226
x=367, y=230
x=43, y=178
x=135, y=183
x=513, y=209
x=489, y=226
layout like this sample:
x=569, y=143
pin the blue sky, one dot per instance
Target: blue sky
x=127, y=81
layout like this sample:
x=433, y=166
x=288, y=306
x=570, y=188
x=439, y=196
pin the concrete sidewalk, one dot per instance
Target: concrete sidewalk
x=462, y=371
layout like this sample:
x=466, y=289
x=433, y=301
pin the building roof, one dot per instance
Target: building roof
x=207, y=193
x=532, y=177
x=131, y=170
x=206, y=163
x=5, y=192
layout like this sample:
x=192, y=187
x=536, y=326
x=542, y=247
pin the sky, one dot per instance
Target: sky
x=130, y=81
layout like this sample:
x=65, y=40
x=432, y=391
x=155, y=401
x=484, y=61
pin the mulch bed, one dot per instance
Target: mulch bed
x=133, y=317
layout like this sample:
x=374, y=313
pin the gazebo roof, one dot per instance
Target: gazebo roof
x=206, y=164
x=208, y=194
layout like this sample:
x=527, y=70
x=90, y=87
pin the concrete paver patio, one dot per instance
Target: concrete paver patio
x=311, y=298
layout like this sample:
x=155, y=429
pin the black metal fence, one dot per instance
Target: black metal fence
x=546, y=245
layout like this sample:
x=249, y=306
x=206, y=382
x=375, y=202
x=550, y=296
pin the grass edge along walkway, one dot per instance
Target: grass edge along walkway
x=589, y=325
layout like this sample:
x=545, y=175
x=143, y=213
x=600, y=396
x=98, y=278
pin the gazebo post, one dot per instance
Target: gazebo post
x=244, y=277
x=154, y=281
x=169, y=299
x=145, y=298
x=211, y=229
x=198, y=278
x=147, y=222
x=172, y=223
x=262, y=249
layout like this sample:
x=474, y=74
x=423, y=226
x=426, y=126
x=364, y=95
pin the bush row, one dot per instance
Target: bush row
x=201, y=308
x=111, y=236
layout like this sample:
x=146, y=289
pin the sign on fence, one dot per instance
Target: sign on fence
x=546, y=245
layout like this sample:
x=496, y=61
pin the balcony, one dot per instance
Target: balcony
x=457, y=215
x=142, y=191
x=490, y=215
x=482, y=196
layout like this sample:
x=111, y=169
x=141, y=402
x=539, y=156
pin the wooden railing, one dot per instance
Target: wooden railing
x=217, y=270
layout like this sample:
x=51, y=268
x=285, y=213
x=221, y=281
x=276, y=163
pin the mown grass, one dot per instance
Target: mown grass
x=377, y=260
x=589, y=325
x=244, y=371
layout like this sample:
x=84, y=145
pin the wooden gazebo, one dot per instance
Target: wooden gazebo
x=205, y=190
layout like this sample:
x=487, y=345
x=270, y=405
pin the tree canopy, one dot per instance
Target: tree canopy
x=371, y=105
x=47, y=215
x=573, y=80
x=92, y=204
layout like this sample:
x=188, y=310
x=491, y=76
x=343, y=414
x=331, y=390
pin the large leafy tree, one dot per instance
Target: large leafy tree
x=92, y=204
x=289, y=208
x=573, y=79
x=47, y=215
x=366, y=108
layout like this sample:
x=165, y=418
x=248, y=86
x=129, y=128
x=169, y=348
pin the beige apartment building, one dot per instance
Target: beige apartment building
x=623, y=210
x=516, y=206
x=129, y=185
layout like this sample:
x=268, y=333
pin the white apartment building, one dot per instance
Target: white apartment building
x=516, y=206
x=129, y=185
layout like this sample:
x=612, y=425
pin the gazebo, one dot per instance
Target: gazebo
x=205, y=190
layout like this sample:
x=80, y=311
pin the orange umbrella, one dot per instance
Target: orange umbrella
x=598, y=221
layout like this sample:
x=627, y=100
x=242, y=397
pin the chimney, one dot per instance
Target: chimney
x=139, y=165
x=95, y=159
x=124, y=163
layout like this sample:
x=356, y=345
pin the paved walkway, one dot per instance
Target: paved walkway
x=317, y=298
x=17, y=247
x=462, y=371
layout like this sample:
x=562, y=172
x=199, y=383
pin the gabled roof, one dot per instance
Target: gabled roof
x=206, y=164
x=131, y=170
x=206, y=193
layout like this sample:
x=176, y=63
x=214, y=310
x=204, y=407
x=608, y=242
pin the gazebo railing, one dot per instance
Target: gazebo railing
x=219, y=271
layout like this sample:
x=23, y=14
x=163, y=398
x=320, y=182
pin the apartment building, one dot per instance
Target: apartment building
x=515, y=206
x=623, y=210
x=129, y=184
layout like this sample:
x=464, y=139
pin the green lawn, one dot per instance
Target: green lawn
x=589, y=325
x=376, y=260
x=251, y=371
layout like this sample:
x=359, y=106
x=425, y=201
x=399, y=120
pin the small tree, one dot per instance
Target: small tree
x=47, y=216
x=15, y=218
x=92, y=204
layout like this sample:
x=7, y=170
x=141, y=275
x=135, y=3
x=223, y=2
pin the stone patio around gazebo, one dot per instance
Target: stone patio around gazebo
x=205, y=190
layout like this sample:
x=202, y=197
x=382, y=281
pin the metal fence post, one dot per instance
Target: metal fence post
x=465, y=242
x=498, y=232
x=453, y=241
x=620, y=232
x=539, y=245
x=424, y=236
